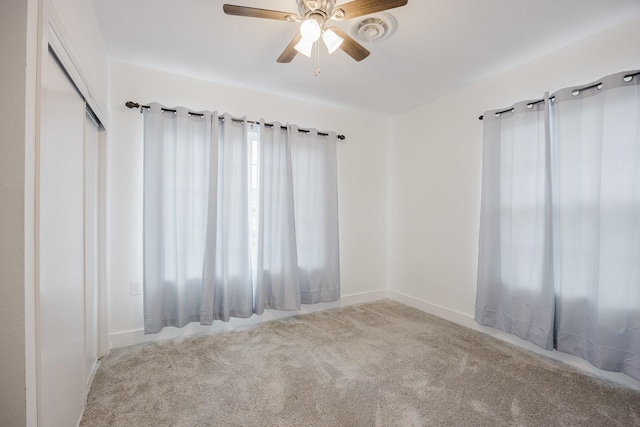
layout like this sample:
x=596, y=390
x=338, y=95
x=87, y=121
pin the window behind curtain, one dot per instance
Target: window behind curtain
x=591, y=283
x=237, y=218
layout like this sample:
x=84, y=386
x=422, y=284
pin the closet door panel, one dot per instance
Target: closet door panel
x=91, y=246
x=61, y=250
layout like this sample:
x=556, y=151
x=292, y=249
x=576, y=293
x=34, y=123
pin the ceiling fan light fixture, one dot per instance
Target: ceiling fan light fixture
x=310, y=30
x=313, y=16
x=331, y=40
x=304, y=46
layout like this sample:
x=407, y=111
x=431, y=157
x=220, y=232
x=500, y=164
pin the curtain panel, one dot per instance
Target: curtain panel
x=515, y=271
x=227, y=281
x=596, y=166
x=315, y=183
x=278, y=278
x=559, y=255
x=201, y=188
x=179, y=164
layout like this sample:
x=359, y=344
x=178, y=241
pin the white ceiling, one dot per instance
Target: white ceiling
x=438, y=46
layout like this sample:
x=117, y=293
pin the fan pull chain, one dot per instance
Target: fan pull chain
x=316, y=46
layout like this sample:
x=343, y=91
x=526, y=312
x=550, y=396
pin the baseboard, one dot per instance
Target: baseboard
x=434, y=309
x=137, y=336
x=87, y=386
x=468, y=321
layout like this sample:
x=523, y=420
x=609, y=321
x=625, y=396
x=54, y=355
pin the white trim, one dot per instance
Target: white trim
x=104, y=241
x=434, y=309
x=468, y=321
x=137, y=336
x=87, y=386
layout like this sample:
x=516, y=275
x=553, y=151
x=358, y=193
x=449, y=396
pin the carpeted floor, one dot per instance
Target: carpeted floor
x=373, y=364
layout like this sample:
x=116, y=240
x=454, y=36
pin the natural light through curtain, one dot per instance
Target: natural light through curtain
x=515, y=284
x=591, y=283
x=237, y=218
x=278, y=284
x=315, y=180
x=178, y=154
x=227, y=283
x=596, y=152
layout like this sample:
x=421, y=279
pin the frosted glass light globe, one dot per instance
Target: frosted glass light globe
x=331, y=40
x=310, y=30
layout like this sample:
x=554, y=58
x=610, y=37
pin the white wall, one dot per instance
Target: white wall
x=435, y=170
x=361, y=182
x=18, y=48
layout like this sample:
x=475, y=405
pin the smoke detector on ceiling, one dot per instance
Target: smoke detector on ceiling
x=374, y=28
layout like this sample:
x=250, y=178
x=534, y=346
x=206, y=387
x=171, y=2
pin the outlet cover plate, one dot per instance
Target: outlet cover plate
x=136, y=288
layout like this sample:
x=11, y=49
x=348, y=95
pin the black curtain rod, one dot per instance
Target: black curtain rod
x=531, y=104
x=575, y=92
x=131, y=104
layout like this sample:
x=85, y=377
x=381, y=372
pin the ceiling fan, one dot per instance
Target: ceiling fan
x=314, y=16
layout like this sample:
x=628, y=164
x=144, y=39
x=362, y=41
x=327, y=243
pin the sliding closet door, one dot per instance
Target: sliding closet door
x=91, y=141
x=61, y=242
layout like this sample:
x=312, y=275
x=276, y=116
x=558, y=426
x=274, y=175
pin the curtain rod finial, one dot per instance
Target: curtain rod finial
x=131, y=104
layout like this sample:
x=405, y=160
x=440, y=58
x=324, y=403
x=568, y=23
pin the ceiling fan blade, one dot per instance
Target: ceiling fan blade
x=290, y=52
x=253, y=12
x=350, y=46
x=357, y=8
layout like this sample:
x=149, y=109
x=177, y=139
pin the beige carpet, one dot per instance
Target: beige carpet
x=374, y=364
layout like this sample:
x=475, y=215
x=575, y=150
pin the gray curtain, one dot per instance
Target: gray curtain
x=596, y=153
x=227, y=282
x=515, y=283
x=199, y=198
x=278, y=283
x=315, y=195
x=178, y=150
x=561, y=266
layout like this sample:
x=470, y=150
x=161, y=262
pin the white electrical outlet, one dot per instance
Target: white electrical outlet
x=136, y=288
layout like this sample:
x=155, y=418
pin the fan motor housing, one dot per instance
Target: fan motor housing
x=307, y=7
